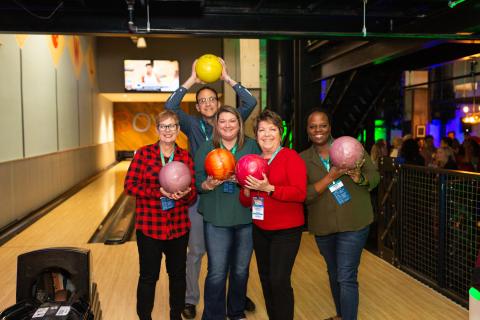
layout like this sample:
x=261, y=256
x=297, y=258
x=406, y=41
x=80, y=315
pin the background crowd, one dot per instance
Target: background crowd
x=450, y=154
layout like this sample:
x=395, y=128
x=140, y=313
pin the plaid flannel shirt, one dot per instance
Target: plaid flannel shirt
x=143, y=183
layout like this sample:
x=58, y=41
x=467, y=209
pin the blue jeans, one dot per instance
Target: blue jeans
x=229, y=250
x=342, y=252
x=196, y=251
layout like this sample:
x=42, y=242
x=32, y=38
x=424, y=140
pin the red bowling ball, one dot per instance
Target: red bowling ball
x=346, y=152
x=175, y=176
x=250, y=164
x=220, y=164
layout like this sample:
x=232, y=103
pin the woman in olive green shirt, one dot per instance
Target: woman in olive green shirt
x=227, y=224
x=340, y=226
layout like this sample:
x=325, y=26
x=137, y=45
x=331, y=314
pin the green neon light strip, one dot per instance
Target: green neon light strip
x=452, y=4
x=474, y=293
x=284, y=130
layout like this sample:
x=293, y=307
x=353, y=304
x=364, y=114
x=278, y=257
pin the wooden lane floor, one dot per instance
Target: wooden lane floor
x=75, y=220
x=385, y=292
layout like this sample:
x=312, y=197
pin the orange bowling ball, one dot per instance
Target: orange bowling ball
x=220, y=164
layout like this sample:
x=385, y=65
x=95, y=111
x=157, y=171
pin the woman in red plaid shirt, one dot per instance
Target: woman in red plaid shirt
x=161, y=222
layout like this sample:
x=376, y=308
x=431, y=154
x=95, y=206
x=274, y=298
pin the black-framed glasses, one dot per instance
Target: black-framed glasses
x=169, y=127
x=204, y=100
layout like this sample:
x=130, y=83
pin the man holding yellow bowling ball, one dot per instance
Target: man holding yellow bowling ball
x=199, y=130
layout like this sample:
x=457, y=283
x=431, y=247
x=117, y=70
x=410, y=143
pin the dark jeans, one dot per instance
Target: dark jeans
x=229, y=250
x=276, y=252
x=342, y=252
x=150, y=255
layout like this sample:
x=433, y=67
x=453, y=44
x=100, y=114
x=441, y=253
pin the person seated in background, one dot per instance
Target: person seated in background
x=455, y=144
x=446, y=142
x=428, y=150
x=467, y=157
x=396, y=145
x=410, y=153
x=444, y=159
x=379, y=149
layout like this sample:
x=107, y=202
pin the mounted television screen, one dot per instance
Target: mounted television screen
x=151, y=75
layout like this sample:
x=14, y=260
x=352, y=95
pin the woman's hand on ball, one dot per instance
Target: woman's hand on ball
x=233, y=178
x=211, y=183
x=355, y=174
x=180, y=194
x=260, y=185
x=336, y=173
x=175, y=195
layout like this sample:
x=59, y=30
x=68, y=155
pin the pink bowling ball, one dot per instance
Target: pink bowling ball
x=250, y=164
x=175, y=176
x=346, y=152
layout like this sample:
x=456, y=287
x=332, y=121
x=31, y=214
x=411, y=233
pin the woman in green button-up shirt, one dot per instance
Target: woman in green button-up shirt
x=340, y=229
x=227, y=224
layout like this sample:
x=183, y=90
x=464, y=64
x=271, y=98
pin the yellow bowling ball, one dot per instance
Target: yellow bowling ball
x=208, y=68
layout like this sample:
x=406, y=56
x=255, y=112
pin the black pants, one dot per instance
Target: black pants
x=275, y=252
x=150, y=254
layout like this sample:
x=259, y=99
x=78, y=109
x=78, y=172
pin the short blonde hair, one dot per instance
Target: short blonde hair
x=165, y=114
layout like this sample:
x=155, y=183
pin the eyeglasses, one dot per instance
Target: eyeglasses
x=204, y=100
x=165, y=127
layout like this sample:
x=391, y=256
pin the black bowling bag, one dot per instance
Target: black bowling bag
x=52, y=284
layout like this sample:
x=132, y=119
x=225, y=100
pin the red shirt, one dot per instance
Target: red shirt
x=284, y=207
x=142, y=182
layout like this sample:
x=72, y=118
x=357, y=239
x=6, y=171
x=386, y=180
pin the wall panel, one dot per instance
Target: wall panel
x=39, y=101
x=85, y=109
x=68, y=131
x=11, y=144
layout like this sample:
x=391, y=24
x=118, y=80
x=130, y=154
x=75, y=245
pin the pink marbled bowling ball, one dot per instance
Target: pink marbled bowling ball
x=346, y=152
x=175, y=176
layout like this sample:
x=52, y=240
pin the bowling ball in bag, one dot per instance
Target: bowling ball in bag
x=208, y=68
x=346, y=152
x=175, y=176
x=250, y=164
x=220, y=164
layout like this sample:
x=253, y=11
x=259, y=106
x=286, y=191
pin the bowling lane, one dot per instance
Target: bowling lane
x=385, y=292
x=75, y=220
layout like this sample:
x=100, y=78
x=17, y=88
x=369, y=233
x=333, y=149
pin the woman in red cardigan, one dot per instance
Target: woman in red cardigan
x=277, y=212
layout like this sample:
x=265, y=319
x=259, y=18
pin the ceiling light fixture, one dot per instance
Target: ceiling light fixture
x=141, y=43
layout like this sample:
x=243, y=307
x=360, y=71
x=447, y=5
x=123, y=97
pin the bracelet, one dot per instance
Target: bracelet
x=362, y=179
x=272, y=191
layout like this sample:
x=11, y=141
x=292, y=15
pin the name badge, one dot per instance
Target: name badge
x=228, y=187
x=167, y=203
x=258, y=208
x=339, y=192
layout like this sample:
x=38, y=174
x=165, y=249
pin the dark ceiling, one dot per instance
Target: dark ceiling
x=248, y=18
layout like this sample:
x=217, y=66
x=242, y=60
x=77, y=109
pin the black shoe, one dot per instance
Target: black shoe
x=249, y=305
x=189, y=312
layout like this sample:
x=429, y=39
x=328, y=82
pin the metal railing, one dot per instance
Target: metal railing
x=429, y=224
